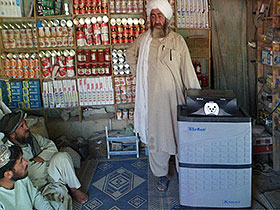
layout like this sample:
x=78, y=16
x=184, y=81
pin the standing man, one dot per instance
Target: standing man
x=50, y=171
x=161, y=61
x=16, y=189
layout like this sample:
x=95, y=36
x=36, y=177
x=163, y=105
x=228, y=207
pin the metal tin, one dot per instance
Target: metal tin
x=125, y=114
x=119, y=114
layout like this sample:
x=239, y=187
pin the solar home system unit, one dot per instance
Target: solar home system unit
x=215, y=151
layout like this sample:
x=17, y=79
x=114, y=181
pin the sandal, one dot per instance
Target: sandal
x=162, y=184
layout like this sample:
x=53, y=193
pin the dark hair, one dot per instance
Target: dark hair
x=16, y=152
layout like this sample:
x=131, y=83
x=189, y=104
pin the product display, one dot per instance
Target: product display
x=55, y=33
x=90, y=6
x=57, y=63
x=125, y=88
x=126, y=6
x=60, y=94
x=96, y=91
x=19, y=35
x=92, y=31
x=126, y=30
x=192, y=14
x=52, y=7
x=21, y=94
x=82, y=41
x=125, y=114
x=94, y=62
x=19, y=66
x=120, y=65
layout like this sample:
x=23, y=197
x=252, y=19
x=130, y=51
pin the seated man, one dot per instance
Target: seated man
x=50, y=171
x=16, y=189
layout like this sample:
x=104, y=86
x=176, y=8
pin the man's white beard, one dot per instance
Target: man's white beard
x=158, y=33
x=162, y=32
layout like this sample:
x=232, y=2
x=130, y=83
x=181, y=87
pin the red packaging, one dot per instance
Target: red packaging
x=88, y=56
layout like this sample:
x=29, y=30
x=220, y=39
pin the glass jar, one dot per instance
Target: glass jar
x=107, y=54
x=100, y=56
x=93, y=56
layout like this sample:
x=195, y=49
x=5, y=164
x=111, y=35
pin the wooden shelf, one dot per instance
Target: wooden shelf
x=55, y=17
x=264, y=69
x=94, y=47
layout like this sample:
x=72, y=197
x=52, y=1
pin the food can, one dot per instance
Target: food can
x=129, y=89
x=64, y=41
x=122, y=81
x=131, y=114
x=119, y=114
x=4, y=33
x=123, y=99
x=16, y=34
x=29, y=33
x=47, y=42
x=81, y=70
x=10, y=34
x=123, y=90
x=53, y=42
x=129, y=98
x=117, y=91
x=125, y=114
x=118, y=99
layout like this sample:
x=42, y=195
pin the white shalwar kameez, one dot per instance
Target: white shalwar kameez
x=51, y=176
x=24, y=196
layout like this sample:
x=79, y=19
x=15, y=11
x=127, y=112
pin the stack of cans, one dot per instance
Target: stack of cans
x=57, y=63
x=90, y=6
x=19, y=66
x=126, y=30
x=55, y=33
x=92, y=31
x=120, y=65
x=126, y=6
x=125, y=89
x=19, y=35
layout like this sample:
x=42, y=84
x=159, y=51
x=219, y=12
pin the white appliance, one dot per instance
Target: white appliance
x=215, y=160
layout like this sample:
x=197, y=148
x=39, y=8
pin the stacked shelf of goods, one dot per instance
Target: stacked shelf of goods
x=193, y=23
x=268, y=55
x=24, y=94
x=76, y=51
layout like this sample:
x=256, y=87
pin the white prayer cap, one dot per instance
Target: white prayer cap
x=162, y=5
x=5, y=154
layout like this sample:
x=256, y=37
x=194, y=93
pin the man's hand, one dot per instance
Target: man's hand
x=38, y=159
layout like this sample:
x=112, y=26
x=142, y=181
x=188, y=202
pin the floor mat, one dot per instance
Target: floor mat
x=127, y=184
x=117, y=185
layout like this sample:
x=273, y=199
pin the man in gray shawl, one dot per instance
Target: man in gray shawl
x=161, y=61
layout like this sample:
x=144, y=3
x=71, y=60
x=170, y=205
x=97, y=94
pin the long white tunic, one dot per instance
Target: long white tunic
x=25, y=196
x=170, y=72
x=51, y=176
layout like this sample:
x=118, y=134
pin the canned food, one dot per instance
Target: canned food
x=123, y=90
x=129, y=98
x=117, y=91
x=131, y=114
x=119, y=114
x=125, y=114
x=123, y=99
x=118, y=99
x=122, y=81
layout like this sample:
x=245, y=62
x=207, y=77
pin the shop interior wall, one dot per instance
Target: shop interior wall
x=232, y=28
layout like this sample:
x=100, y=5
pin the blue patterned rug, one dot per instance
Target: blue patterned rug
x=127, y=184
